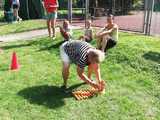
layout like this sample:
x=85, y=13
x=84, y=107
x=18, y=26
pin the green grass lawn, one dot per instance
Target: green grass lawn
x=25, y=25
x=131, y=71
x=22, y=26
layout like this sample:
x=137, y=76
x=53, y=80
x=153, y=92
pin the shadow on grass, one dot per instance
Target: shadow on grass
x=154, y=56
x=14, y=46
x=49, y=96
x=54, y=46
x=39, y=43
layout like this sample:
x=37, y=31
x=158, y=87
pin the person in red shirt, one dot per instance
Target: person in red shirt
x=51, y=7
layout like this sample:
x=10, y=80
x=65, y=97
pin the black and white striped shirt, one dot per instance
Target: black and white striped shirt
x=77, y=52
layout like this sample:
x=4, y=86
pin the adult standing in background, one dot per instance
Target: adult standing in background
x=16, y=6
x=51, y=7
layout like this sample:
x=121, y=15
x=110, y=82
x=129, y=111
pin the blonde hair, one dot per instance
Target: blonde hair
x=98, y=55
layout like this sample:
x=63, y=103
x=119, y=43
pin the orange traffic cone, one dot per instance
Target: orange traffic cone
x=14, y=64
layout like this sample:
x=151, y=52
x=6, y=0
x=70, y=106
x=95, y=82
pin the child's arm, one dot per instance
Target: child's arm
x=109, y=31
x=43, y=4
x=81, y=74
x=98, y=34
x=57, y=3
x=90, y=70
x=97, y=72
x=98, y=76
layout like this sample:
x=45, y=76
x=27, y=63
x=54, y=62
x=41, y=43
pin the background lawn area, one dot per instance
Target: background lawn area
x=27, y=25
x=22, y=26
x=131, y=71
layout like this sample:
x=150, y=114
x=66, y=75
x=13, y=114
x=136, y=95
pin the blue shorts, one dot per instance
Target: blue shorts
x=52, y=15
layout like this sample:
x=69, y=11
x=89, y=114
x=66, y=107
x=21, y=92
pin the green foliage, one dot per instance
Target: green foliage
x=138, y=4
x=131, y=71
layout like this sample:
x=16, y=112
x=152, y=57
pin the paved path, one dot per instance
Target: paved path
x=27, y=35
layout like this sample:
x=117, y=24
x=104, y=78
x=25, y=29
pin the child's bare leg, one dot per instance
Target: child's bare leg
x=99, y=40
x=53, y=23
x=104, y=42
x=49, y=27
x=15, y=14
x=65, y=73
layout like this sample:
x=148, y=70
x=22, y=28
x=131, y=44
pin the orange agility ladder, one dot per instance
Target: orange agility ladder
x=84, y=94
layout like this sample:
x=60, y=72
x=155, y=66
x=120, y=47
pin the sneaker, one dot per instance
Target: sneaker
x=19, y=19
x=65, y=89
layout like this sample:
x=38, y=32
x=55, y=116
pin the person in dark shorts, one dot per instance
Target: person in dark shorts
x=108, y=36
x=82, y=54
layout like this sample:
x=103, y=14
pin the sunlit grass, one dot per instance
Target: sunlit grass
x=131, y=71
